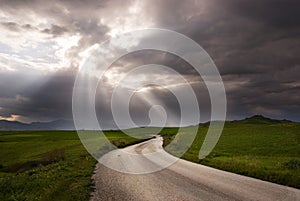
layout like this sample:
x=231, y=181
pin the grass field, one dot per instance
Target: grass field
x=268, y=150
x=53, y=165
x=47, y=165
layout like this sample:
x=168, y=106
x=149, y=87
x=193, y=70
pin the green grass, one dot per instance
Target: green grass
x=54, y=165
x=47, y=165
x=268, y=151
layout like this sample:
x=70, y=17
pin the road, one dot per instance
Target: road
x=182, y=180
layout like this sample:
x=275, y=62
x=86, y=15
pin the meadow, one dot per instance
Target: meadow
x=54, y=165
x=257, y=147
x=48, y=165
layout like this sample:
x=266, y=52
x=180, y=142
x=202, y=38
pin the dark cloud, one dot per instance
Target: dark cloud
x=277, y=13
x=254, y=43
x=55, y=30
x=40, y=97
x=144, y=57
x=12, y=26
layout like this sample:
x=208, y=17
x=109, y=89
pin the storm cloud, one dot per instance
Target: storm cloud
x=254, y=44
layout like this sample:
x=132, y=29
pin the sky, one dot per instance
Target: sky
x=255, y=45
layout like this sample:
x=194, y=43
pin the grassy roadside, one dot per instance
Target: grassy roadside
x=47, y=165
x=264, y=150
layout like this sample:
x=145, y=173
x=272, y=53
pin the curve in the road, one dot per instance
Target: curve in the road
x=182, y=180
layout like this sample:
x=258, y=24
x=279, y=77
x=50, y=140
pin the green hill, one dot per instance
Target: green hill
x=259, y=119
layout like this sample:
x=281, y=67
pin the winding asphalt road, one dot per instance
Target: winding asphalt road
x=182, y=180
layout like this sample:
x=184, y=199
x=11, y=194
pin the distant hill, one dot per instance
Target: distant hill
x=260, y=119
x=52, y=125
x=256, y=119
